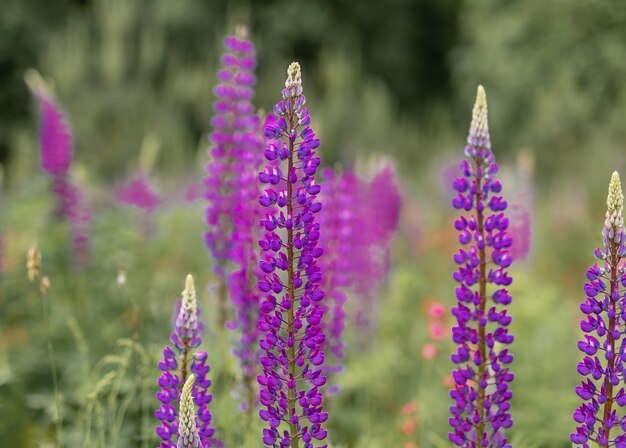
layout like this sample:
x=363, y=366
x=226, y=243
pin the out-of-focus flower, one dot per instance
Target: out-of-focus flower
x=121, y=278
x=45, y=284
x=359, y=219
x=139, y=194
x=33, y=263
x=448, y=381
x=409, y=408
x=56, y=149
x=409, y=427
x=429, y=351
x=231, y=189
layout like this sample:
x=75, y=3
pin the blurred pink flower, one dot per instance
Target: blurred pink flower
x=520, y=231
x=437, y=330
x=138, y=193
x=55, y=139
x=429, y=351
x=436, y=310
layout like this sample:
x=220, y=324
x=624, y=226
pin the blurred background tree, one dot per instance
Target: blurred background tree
x=387, y=76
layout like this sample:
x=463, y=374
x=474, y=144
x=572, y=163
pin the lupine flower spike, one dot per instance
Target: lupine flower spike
x=188, y=436
x=359, y=220
x=56, y=149
x=603, y=344
x=481, y=393
x=293, y=356
x=177, y=365
x=230, y=187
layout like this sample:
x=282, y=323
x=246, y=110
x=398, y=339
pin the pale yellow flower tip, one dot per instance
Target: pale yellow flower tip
x=479, y=113
x=33, y=262
x=189, y=303
x=615, y=198
x=241, y=32
x=294, y=76
x=36, y=83
x=190, y=286
x=187, y=432
x=44, y=286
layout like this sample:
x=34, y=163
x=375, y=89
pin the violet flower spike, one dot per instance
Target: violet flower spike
x=602, y=367
x=179, y=364
x=481, y=394
x=293, y=340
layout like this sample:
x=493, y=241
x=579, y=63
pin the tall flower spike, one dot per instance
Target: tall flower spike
x=359, y=220
x=233, y=213
x=56, y=149
x=176, y=366
x=602, y=367
x=230, y=188
x=481, y=392
x=293, y=339
x=188, y=436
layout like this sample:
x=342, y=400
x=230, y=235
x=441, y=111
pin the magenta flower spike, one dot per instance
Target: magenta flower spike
x=177, y=365
x=231, y=189
x=376, y=221
x=56, y=149
x=359, y=220
x=338, y=221
x=481, y=394
x=140, y=195
x=292, y=340
x=603, y=344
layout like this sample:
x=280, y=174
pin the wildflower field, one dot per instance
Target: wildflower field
x=241, y=223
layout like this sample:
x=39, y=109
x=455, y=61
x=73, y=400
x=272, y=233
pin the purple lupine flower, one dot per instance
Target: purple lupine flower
x=231, y=189
x=176, y=365
x=56, y=148
x=602, y=368
x=138, y=193
x=520, y=232
x=481, y=394
x=337, y=219
x=293, y=340
x=55, y=138
x=377, y=219
x=359, y=220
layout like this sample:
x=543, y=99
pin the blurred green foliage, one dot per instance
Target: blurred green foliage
x=393, y=78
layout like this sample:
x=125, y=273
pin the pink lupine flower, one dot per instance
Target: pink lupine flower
x=56, y=149
x=138, y=193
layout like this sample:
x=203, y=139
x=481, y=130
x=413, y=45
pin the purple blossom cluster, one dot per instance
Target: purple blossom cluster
x=138, y=193
x=599, y=417
x=177, y=364
x=481, y=393
x=231, y=190
x=56, y=149
x=292, y=341
x=359, y=219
